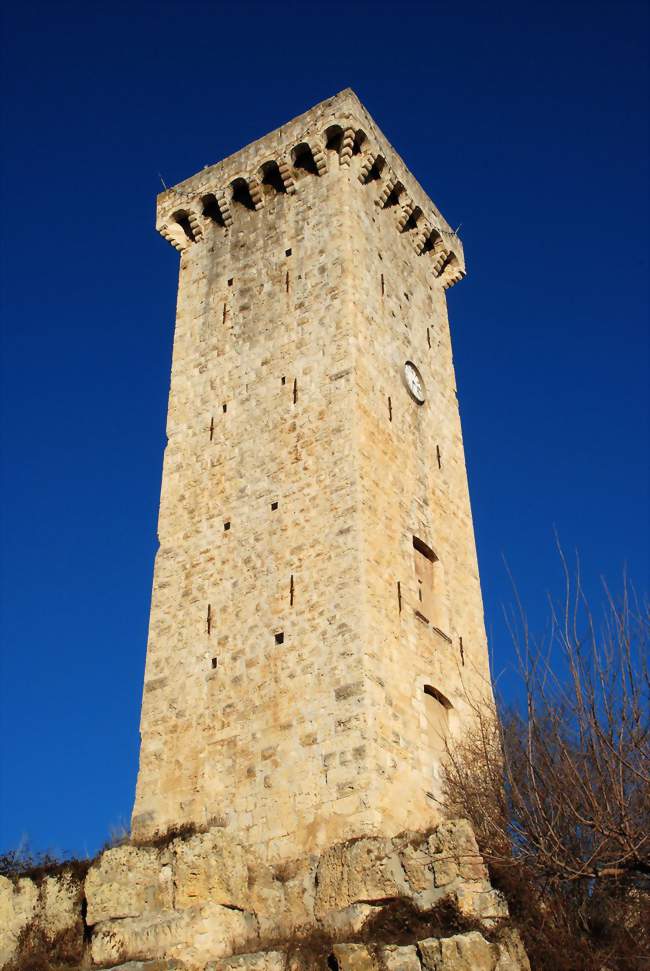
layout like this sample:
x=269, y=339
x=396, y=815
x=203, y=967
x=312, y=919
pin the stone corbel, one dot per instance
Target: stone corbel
x=347, y=146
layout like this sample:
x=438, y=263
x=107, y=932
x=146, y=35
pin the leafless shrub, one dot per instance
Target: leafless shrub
x=557, y=784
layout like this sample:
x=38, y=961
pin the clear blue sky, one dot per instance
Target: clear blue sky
x=525, y=122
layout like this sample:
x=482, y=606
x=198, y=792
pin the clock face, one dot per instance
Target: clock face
x=414, y=382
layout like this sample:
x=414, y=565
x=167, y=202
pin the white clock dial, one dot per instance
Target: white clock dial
x=414, y=382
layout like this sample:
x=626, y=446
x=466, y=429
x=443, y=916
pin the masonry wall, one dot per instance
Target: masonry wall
x=258, y=741
x=413, y=483
x=284, y=687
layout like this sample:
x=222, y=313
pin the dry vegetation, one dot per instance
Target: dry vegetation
x=557, y=786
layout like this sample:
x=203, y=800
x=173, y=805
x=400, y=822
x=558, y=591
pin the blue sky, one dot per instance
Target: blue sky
x=524, y=122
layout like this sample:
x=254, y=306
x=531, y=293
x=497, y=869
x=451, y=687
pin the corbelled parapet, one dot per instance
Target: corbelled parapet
x=202, y=902
x=334, y=138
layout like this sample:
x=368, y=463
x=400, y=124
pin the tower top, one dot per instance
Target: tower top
x=302, y=143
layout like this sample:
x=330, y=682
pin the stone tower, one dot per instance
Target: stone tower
x=316, y=620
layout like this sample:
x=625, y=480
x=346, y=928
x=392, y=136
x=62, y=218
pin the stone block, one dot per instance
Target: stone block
x=128, y=881
x=444, y=872
x=512, y=954
x=60, y=904
x=366, y=870
x=18, y=902
x=454, y=837
x=472, y=868
x=394, y=958
x=416, y=861
x=349, y=920
x=354, y=957
x=481, y=902
x=462, y=952
x=150, y=966
x=195, y=936
x=267, y=961
x=210, y=867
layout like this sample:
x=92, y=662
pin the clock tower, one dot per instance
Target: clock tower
x=316, y=632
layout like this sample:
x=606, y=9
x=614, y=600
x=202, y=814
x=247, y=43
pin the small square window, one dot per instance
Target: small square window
x=230, y=281
x=279, y=638
x=214, y=662
x=287, y=252
x=226, y=526
x=225, y=407
x=274, y=506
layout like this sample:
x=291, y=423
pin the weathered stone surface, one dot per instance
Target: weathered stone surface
x=453, y=837
x=395, y=958
x=282, y=896
x=128, y=881
x=355, y=957
x=194, y=936
x=444, y=871
x=60, y=904
x=210, y=867
x=482, y=902
x=150, y=966
x=512, y=954
x=267, y=961
x=298, y=647
x=348, y=921
x=182, y=906
x=416, y=861
x=462, y=952
x=18, y=903
x=366, y=870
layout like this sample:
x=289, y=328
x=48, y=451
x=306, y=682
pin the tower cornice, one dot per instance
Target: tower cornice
x=185, y=211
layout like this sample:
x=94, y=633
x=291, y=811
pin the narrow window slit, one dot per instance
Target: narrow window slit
x=295, y=390
x=283, y=380
x=462, y=652
x=224, y=407
x=428, y=337
x=399, y=596
x=286, y=282
x=211, y=428
x=214, y=663
x=439, y=456
x=382, y=285
x=224, y=313
x=209, y=619
x=390, y=409
x=291, y=591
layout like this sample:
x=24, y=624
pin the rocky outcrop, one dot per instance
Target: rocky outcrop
x=416, y=902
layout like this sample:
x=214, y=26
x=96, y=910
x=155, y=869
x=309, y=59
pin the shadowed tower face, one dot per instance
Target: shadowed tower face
x=316, y=619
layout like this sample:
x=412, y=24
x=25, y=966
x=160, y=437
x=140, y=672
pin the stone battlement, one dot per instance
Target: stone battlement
x=336, y=135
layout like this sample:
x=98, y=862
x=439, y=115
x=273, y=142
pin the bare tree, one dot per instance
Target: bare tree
x=557, y=783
